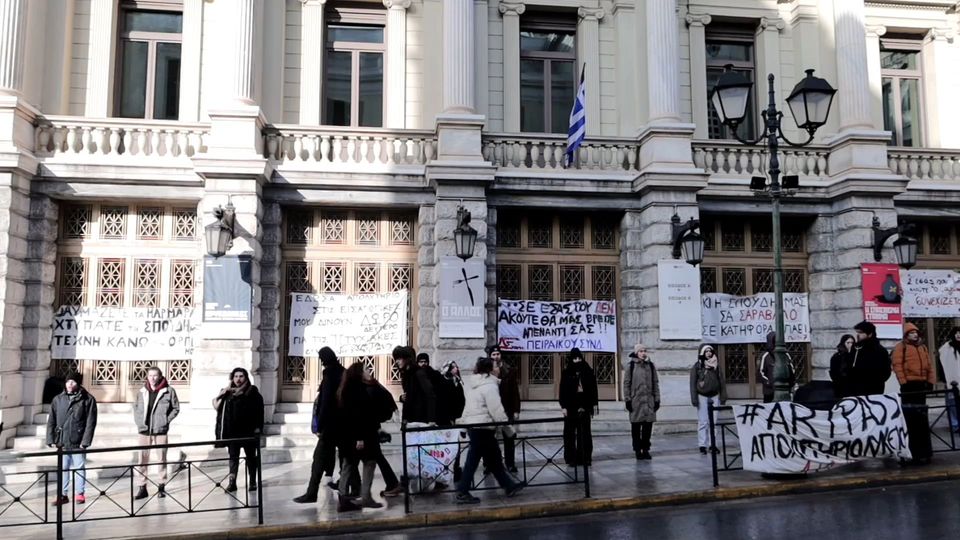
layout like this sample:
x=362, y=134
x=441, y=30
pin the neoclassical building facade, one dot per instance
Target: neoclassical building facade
x=347, y=134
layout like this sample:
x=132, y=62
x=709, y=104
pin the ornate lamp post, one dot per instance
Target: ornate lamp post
x=464, y=236
x=905, y=246
x=219, y=234
x=687, y=240
x=809, y=104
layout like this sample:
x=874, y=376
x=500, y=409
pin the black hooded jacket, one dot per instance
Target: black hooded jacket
x=870, y=368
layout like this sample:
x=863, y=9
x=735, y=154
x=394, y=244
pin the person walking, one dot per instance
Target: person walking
x=841, y=365
x=768, y=364
x=359, y=432
x=578, y=398
x=950, y=361
x=707, y=388
x=483, y=406
x=870, y=368
x=911, y=363
x=510, y=398
x=323, y=425
x=70, y=426
x=641, y=394
x=239, y=407
x=153, y=411
x=384, y=407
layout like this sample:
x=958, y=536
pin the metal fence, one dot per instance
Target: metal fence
x=193, y=486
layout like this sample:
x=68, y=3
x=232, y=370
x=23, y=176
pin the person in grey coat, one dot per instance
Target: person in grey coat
x=70, y=426
x=641, y=393
x=156, y=407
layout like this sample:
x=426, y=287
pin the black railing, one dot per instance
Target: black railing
x=115, y=487
x=538, y=459
x=943, y=438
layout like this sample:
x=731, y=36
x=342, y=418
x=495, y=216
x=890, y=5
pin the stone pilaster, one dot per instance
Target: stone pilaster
x=481, y=55
x=940, y=84
x=853, y=87
x=190, y=60
x=697, y=27
x=663, y=62
x=13, y=33
x=396, y=116
x=769, y=62
x=458, y=70
x=270, y=305
x=100, y=49
x=874, y=33
x=312, y=47
x=588, y=43
x=511, y=12
x=240, y=78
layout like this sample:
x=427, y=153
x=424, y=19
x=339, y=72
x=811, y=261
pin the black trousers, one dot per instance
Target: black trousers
x=324, y=461
x=510, y=447
x=390, y=479
x=577, y=439
x=915, y=415
x=253, y=459
x=641, y=431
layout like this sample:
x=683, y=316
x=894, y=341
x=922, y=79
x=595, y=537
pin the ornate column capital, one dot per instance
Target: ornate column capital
x=875, y=30
x=771, y=23
x=941, y=34
x=313, y=2
x=590, y=13
x=512, y=8
x=698, y=19
x=397, y=4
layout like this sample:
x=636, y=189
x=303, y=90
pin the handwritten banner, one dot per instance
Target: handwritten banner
x=787, y=437
x=532, y=326
x=748, y=319
x=351, y=325
x=931, y=293
x=109, y=333
x=430, y=456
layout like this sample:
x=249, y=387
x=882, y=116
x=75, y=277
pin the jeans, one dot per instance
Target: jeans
x=144, y=461
x=253, y=460
x=74, y=462
x=703, y=419
x=640, y=432
x=952, y=411
x=483, y=445
x=577, y=439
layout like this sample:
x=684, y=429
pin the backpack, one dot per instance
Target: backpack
x=708, y=384
x=443, y=389
x=383, y=402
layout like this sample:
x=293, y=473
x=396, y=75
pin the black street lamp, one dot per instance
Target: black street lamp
x=219, y=234
x=810, y=105
x=688, y=240
x=464, y=236
x=905, y=246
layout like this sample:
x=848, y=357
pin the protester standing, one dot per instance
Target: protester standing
x=359, y=437
x=578, y=398
x=419, y=397
x=841, y=364
x=510, y=398
x=323, y=424
x=870, y=368
x=456, y=401
x=768, y=364
x=70, y=426
x=707, y=388
x=950, y=361
x=911, y=363
x=641, y=393
x=239, y=407
x=156, y=407
x=483, y=406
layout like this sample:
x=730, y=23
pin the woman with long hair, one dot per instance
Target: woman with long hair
x=359, y=440
x=239, y=407
x=950, y=360
x=840, y=364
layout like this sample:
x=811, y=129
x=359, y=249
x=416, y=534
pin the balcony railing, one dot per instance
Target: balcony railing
x=730, y=158
x=545, y=153
x=78, y=137
x=924, y=164
x=333, y=148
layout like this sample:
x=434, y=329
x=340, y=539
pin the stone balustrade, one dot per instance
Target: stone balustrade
x=343, y=148
x=730, y=158
x=122, y=138
x=546, y=153
x=925, y=164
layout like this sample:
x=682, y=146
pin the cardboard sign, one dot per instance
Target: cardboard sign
x=748, y=319
x=109, y=333
x=679, y=291
x=931, y=293
x=532, y=326
x=351, y=325
x=882, y=298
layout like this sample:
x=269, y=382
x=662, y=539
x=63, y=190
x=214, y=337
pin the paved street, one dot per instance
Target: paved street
x=922, y=511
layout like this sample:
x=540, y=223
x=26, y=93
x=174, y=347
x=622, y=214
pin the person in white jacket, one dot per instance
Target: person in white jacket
x=950, y=360
x=483, y=406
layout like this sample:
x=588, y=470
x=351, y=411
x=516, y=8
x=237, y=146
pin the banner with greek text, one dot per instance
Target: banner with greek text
x=110, y=333
x=351, y=325
x=787, y=437
x=748, y=319
x=930, y=293
x=532, y=326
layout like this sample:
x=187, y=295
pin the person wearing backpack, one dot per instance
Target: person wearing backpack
x=384, y=407
x=706, y=388
x=641, y=394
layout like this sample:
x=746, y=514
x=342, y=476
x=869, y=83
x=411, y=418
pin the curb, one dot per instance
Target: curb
x=566, y=508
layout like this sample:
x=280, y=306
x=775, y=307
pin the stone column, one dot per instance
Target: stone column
x=588, y=43
x=853, y=88
x=940, y=86
x=696, y=25
x=240, y=77
x=481, y=52
x=458, y=73
x=312, y=45
x=769, y=61
x=874, y=33
x=663, y=62
x=625, y=21
x=13, y=33
x=190, y=60
x=100, y=51
x=511, y=12
x=396, y=63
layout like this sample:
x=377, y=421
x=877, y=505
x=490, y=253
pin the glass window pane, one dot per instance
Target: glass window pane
x=133, y=84
x=540, y=40
x=729, y=51
x=371, y=89
x=153, y=21
x=166, y=88
x=889, y=115
x=355, y=34
x=561, y=95
x=910, y=111
x=532, y=96
x=898, y=59
x=337, y=91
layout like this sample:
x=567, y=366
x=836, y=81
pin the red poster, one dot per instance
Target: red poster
x=881, y=299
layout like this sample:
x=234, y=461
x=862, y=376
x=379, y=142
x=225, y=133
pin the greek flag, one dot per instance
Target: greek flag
x=578, y=121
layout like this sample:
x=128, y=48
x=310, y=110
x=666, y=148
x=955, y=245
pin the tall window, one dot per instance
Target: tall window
x=148, y=85
x=353, y=84
x=547, y=75
x=736, y=48
x=901, y=71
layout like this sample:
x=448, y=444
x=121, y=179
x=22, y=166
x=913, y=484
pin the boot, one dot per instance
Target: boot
x=141, y=493
x=232, y=483
x=344, y=504
x=369, y=468
x=161, y=491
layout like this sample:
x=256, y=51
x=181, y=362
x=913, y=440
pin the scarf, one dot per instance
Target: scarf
x=240, y=390
x=160, y=385
x=712, y=363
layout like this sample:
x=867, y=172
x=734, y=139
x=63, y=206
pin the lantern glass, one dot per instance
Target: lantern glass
x=730, y=96
x=692, y=245
x=810, y=102
x=465, y=240
x=905, y=248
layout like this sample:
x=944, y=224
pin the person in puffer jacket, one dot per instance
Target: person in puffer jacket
x=911, y=363
x=483, y=406
x=706, y=388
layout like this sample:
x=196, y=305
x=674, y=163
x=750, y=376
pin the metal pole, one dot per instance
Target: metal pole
x=59, y=492
x=584, y=418
x=259, y=483
x=713, y=444
x=406, y=474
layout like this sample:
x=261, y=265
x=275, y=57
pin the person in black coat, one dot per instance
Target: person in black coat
x=70, y=426
x=323, y=424
x=359, y=436
x=239, y=408
x=578, y=398
x=871, y=366
x=841, y=364
x=419, y=397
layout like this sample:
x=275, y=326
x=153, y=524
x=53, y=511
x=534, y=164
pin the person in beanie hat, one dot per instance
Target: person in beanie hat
x=156, y=407
x=871, y=364
x=419, y=396
x=916, y=374
x=510, y=399
x=70, y=426
x=707, y=387
x=641, y=395
x=578, y=398
x=323, y=425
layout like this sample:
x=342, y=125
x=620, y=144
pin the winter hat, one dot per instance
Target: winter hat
x=423, y=356
x=492, y=349
x=575, y=353
x=701, y=355
x=327, y=356
x=866, y=327
x=75, y=377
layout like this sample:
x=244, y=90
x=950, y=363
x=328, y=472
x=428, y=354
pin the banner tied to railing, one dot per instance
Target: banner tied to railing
x=532, y=326
x=112, y=333
x=786, y=437
x=351, y=325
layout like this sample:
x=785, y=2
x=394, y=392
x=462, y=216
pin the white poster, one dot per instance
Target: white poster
x=351, y=325
x=930, y=293
x=787, y=437
x=532, y=326
x=748, y=319
x=679, y=286
x=463, y=297
x=109, y=333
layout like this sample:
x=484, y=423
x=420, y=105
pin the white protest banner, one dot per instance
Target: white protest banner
x=785, y=437
x=110, y=333
x=679, y=289
x=430, y=456
x=930, y=293
x=532, y=326
x=748, y=319
x=351, y=325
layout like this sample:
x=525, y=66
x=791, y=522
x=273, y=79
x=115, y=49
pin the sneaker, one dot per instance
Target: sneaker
x=393, y=492
x=466, y=498
x=231, y=486
x=346, y=505
x=60, y=501
x=79, y=498
x=141, y=493
x=516, y=488
x=512, y=469
x=162, y=491
x=304, y=499
x=440, y=486
x=703, y=450
x=371, y=504
x=334, y=485
x=646, y=455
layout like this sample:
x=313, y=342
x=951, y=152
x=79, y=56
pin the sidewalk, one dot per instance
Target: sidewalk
x=678, y=474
